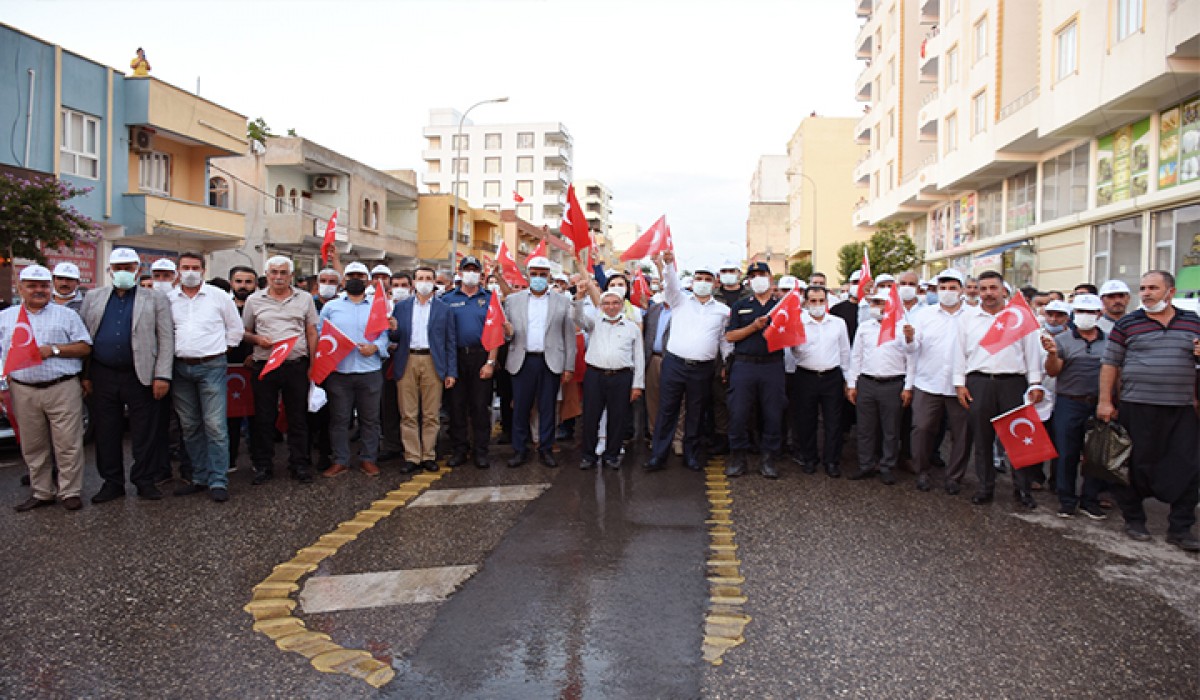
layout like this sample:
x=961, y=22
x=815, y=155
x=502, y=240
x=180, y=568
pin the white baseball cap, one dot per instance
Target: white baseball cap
x=356, y=267
x=381, y=269
x=856, y=275
x=706, y=268
x=787, y=282
x=541, y=262
x=163, y=264
x=562, y=277
x=879, y=296
x=120, y=256
x=885, y=278
x=35, y=273
x=66, y=269
x=1114, y=287
x=1061, y=307
x=1087, y=302
x=729, y=264
x=950, y=274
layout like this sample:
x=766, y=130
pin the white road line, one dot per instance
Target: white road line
x=383, y=588
x=483, y=494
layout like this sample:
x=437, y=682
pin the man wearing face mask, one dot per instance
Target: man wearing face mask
x=615, y=374
x=909, y=285
x=541, y=355
x=875, y=384
x=328, y=282
x=66, y=286
x=130, y=369
x=821, y=365
x=207, y=324
x=1150, y=366
x=470, y=401
x=164, y=274
x=756, y=377
x=1115, y=296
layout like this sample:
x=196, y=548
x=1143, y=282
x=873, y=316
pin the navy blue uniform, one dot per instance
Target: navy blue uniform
x=756, y=379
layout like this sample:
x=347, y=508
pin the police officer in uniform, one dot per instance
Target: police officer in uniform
x=471, y=398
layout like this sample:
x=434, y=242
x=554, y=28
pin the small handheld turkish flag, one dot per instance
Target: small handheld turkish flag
x=377, y=321
x=330, y=236
x=891, y=316
x=1024, y=437
x=23, y=351
x=493, y=325
x=239, y=396
x=332, y=348
x=864, y=281
x=787, y=323
x=575, y=225
x=539, y=251
x=1014, y=322
x=279, y=353
x=655, y=240
x=639, y=292
x=508, y=267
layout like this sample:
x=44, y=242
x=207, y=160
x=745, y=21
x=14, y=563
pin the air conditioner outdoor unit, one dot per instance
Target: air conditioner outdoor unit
x=325, y=183
x=142, y=141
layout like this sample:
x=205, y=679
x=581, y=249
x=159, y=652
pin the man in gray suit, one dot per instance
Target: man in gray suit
x=541, y=355
x=130, y=369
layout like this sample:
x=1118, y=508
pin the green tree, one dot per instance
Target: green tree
x=258, y=131
x=801, y=269
x=34, y=214
x=890, y=249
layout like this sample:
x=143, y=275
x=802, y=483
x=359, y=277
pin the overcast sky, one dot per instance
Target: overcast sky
x=670, y=103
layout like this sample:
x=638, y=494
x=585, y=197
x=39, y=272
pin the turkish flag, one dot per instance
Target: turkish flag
x=23, y=349
x=330, y=234
x=1024, y=437
x=517, y=197
x=279, y=353
x=574, y=224
x=655, y=240
x=639, y=292
x=865, y=281
x=377, y=321
x=508, y=267
x=891, y=316
x=239, y=396
x=1014, y=322
x=787, y=323
x=493, y=326
x=539, y=251
x=339, y=346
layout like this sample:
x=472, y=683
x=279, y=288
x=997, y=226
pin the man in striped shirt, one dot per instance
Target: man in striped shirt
x=1151, y=360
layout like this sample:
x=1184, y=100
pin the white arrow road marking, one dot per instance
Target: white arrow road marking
x=382, y=588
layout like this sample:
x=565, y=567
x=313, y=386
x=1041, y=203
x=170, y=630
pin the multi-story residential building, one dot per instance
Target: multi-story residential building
x=522, y=237
x=525, y=167
x=144, y=147
x=1057, y=141
x=289, y=188
x=767, y=221
x=479, y=231
x=623, y=234
x=822, y=195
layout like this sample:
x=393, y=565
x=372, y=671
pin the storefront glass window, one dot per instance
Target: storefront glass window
x=1177, y=247
x=1116, y=251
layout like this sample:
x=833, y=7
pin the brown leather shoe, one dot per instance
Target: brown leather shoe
x=335, y=470
x=369, y=468
x=72, y=503
x=33, y=502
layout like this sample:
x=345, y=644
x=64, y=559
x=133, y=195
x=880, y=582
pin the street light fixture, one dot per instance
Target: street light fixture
x=457, y=172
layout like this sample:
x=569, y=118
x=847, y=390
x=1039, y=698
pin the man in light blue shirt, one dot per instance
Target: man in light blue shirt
x=357, y=383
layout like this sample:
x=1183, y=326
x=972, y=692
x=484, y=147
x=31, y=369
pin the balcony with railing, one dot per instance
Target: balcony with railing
x=864, y=8
x=927, y=117
x=930, y=9
x=865, y=44
x=862, y=131
x=931, y=51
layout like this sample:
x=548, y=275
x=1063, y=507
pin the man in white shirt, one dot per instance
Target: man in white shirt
x=207, y=324
x=821, y=364
x=697, y=327
x=931, y=380
x=875, y=385
x=615, y=376
x=991, y=384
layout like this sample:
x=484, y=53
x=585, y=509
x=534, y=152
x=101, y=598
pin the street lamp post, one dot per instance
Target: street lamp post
x=814, y=226
x=457, y=172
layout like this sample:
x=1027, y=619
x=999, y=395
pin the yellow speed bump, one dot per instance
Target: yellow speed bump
x=724, y=624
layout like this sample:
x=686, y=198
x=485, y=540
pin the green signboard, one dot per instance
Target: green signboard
x=1123, y=163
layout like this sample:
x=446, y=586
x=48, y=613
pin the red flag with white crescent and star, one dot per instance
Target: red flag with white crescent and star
x=493, y=325
x=279, y=352
x=239, y=395
x=23, y=350
x=330, y=237
x=377, y=320
x=574, y=224
x=639, y=291
x=864, y=281
x=655, y=240
x=1014, y=322
x=891, y=316
x=326, y=360
x=787, y=323
x=539, y=251
x=508, y=267
x=1026, y=441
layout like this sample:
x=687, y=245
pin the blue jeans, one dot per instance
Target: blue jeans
x=199, y=392
x=1070, y=425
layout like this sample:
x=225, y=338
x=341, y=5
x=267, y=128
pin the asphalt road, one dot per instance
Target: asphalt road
x=596, y=589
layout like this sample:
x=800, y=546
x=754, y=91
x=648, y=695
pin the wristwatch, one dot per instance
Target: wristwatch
x=491, y=363
x=54, y=349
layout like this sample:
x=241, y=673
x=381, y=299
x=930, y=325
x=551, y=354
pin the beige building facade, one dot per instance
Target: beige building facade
x=767, y=220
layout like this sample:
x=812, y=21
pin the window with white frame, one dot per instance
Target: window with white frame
x=891, y=175
x=1022, y=195
x=952, y=65
x=464, y=190
x=524, y=164
x=1066, y=51
x=461, y=141
x=434, y=166
x=1116, y=251
x=280, y=193
x=525, y=211
x=979, y=120
x=891, y=124
x=892, y=72
x=1175, y=233
x=491, y=165
x=525, y=139
x=492, y=142
x=1064, y=183
x=950, y=137
x=435, y=143
x=154, y=173
x=491, y=188
x=981, y=38
x=525, y=188
x=218, y=192
x=1129, y=17
x=80, y=152
x=461, y=165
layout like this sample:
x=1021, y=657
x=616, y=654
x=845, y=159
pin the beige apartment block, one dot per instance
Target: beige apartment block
x=767, y=221
x=1055, y=140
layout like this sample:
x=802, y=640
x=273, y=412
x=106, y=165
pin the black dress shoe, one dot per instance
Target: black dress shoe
x=693, y=464
x=953, y=488
x=518, y=459
x=547, y=458
x=586, y=463
x=982, y=498
x=808, y=467
x=482, y=461
x=1185, y=541
x=409, y=467
x=767, y=468
x=887, y=477
x=833, y=471
x=736, y=464
x=612, y=463
x=108, y=493
x=32, y=503
x=923, y=482
x=862, y=474
x=189, y=489
x=219, y=494
x=150, y=493
x=655, y=465
x=429, y=465
x=1025, y=499
x=1137, y=531
x=457, y=459
x=261, y=478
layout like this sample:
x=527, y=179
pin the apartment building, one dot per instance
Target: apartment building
x=596, y=199
x=1057, y=140
x=767, y=220
x=525, y=167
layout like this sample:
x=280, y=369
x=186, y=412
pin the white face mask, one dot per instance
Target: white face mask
x=1157, y=307
x=163, y=286
x=424, y=288
x=729, y=278
x=401, y=293
x=948, y=297
x=816, y=311
x=702, y=289
x=908, y=293
x=875, y=312
x=470, y=278
x=619, y=289
x=760, y=284
x=494, y=287
x=191, y=278
x=613, y=317
x=327, y=290
x=440, y=288
x=1086, y=322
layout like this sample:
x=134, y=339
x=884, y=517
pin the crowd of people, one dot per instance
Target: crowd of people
x=683, y=360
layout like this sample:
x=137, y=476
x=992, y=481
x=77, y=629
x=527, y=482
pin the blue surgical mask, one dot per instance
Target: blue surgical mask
x=538, y=284
x=124, y=279
x=1054, y=329
x=931, y=297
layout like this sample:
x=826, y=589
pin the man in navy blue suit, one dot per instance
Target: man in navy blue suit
x=424, y=363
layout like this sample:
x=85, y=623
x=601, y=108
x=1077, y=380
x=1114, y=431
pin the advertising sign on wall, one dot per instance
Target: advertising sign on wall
x=1123, y=163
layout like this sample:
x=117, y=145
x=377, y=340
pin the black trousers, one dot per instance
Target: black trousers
x=602, y=390
x=989, y=398
x=681, y=382
x=115, y=391
x=1164, y=463
x=470, y=403
x=504, y=389
x=534, y=385
x=825, y=392
x=289, y=380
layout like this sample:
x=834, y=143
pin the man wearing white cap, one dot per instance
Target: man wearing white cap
x=875, y=384
x=1114, y=294
x=47, y=398
x=541, y=355
x=66, y=286
x=382, y=273
x=130, y=370
x=163, y=275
